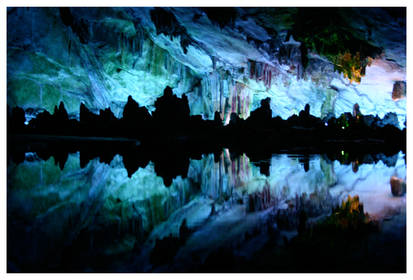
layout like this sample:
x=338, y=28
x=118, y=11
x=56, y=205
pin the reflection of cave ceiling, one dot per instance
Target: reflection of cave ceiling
x=59, y=206
x=224, y=60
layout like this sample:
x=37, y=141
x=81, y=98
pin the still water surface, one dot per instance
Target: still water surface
x=97, y=218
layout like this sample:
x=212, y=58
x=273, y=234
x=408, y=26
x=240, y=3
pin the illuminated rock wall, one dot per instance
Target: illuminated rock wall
x=101, y=56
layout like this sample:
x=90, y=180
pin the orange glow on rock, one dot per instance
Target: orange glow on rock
x=352, y=67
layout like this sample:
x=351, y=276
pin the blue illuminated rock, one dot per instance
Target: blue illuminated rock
x=100, y=56
x=64, y=217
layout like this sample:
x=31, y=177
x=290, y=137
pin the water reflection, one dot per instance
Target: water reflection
x=97, y=218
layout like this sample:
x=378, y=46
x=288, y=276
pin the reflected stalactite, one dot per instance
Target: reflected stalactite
x=105, y=211
x=328, y=171
x=227, y=175
x=261, y=200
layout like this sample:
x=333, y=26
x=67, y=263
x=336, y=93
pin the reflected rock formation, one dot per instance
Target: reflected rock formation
x=83, y=219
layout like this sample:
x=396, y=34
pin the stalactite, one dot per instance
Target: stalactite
x=262, y=200
x=225, y=95
x=260, y=71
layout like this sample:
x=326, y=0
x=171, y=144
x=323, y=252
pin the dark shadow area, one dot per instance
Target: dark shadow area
x=171, y=124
